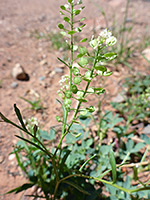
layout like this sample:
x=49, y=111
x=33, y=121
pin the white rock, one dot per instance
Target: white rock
x=11, y=157
x=43, y=62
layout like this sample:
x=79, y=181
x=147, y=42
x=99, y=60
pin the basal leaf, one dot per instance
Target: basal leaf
x=21, y=188
x=113, y=166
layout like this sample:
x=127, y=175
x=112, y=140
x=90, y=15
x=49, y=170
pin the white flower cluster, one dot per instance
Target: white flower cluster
x=32, y=122
x=104, y=36
x=64, y=83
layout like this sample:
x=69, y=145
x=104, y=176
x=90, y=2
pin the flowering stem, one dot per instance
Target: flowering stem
x=71, y=24
x=79, y=104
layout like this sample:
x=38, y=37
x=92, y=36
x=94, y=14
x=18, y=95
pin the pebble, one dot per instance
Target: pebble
x=9, y=59
x=14, y=85
x=42, y=78
x=11, y=156
x=58, y=70
x=42, y=18
x=118, y=99
x=19, y=73
x=1, y=159
x=146, y=129
x=43, y=62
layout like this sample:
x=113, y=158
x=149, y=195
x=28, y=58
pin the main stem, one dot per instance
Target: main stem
x=72, y=43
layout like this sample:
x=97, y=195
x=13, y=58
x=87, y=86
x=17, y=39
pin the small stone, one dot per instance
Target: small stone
x=118, y=99
x=58, y=70
x=19, y=73
x=146, y=129
x=42, y=18
x=1, y=159
x=9, y=59
x=14, y=85
x=42, y=78
x=43, y=62
x=3, y=64
x=11, y=157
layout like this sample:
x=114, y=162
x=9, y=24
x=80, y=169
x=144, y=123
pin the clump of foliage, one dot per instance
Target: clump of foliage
x=136, y=104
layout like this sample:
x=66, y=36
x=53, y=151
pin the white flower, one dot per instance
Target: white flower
x=88, y=75
x=80, y=94
x=66, y=6
x=105, y=34
x=111, y=41
x=99, y=72
x=79, y=2
x=94, y=43
x=91, y=90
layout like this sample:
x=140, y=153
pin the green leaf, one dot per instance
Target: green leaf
x=61, y=13
x=67, y=19
x=45, y=135
x=82, y=50
x=138, y=147
x=77, y=12
x=113, y=166
x=61, y=26
x=64, y=110
x=145, y=138
x=17, y=111
x=129, y=145
x=77, y=187
x=63, y=62
x=82, y=100
x=20, y=163
x=110, y=55
x=83, y=61
x=63, y=7
x=21, y=188
x=71, y=32
x=10, y=122
x=83, y=40
x=107, y=74
x=82, y=19
x=99, y=90
x=101, y=68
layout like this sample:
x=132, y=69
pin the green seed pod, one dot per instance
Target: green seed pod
x=74, y=89
x=67, y=103
x=76, y=71
x=91, y=109
x=68, y=94
x=58, y=118
x=77, y=80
